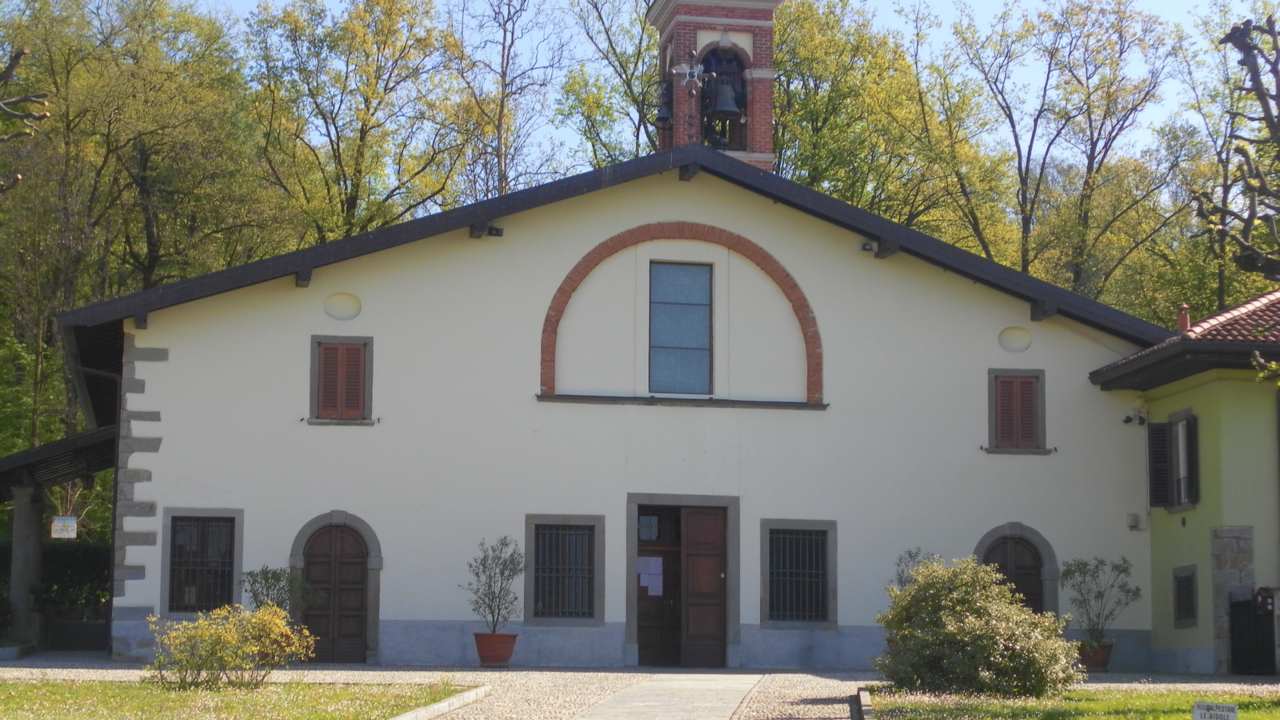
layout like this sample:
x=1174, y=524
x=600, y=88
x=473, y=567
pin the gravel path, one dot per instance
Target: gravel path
x=566, y=694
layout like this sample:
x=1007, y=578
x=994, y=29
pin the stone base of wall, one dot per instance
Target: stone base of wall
x=131, y=641
x=1183, y=661
x=450, y=643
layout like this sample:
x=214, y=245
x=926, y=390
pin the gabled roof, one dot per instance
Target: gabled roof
x=1226, y=340
x=891, y=237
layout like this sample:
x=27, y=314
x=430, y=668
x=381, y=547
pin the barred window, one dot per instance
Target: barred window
x=798, y=575
x=201, y=563
x=564, y=574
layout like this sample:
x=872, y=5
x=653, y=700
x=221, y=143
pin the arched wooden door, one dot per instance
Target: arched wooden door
x=336, y=567
x=1021, y=564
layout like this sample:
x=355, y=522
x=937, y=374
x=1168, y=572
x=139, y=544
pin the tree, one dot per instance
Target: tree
x=1243, y=208
x=613, y=110
x=18, y=110
x=360, y=122
x=847, y=120
x=507, y=58
x=1216, y=103
x=1016, y=45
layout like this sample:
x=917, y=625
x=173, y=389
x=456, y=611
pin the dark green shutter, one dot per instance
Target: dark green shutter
x=1193, y=461
x=1159, y=464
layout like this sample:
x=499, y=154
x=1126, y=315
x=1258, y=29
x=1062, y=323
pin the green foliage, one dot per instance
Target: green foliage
x=907, y=562
x=1100, y=591
x=227, y=646
x=960, y=628
x=76, y=578
x=284, y=588
x=493, y=572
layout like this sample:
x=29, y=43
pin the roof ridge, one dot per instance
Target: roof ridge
x=1207, y=324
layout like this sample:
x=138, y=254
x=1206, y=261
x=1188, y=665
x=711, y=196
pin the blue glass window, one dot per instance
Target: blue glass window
x=679, y=328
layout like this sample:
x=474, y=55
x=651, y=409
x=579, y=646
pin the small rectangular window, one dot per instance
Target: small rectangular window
x=679, y=328
x=341, y=379
x=798, y=575
x=1016, y=410
x=564, y=571
x=1184, y=597
x=201, y=563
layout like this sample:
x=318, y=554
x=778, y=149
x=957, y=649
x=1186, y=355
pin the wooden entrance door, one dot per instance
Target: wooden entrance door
x=703, y=559
x=1019, y=561
x=336, y=568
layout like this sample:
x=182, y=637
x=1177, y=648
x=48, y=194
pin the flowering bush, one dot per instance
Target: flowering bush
x=229, y=645
x=960, y=628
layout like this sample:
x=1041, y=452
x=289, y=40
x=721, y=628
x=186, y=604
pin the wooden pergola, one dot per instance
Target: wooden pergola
x=23, y=476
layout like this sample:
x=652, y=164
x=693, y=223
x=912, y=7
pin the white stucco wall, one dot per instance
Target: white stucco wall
x=463, y=450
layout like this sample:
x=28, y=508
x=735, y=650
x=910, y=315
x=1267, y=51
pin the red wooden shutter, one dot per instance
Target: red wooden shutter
x=1017, y=412
x=1159, y=464
x=328, y=381
x=1006, y=412
x=1028, y=413
x=352, y=406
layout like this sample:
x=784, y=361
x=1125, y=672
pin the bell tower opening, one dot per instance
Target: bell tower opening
x=716, y=61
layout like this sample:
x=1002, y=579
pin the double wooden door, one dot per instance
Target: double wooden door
x=336, y=569
x=681, y=589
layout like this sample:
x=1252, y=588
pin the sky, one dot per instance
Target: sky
x=1173, y=10
x=886, y=18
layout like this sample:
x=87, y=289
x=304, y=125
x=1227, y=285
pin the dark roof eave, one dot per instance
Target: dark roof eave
x=890, y=235
x=1178, y=359
x=68, y=445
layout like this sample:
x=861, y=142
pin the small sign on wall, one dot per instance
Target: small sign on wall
x=64, y=527
x=1210, y=711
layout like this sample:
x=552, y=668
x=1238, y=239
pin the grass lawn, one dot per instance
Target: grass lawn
x=1137, y=704
x=276, y=701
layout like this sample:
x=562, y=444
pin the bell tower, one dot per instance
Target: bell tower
x=715, y=59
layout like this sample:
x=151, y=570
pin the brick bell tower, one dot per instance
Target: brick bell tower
x=716, y=63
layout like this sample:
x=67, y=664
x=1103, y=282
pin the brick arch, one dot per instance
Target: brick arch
x=686, y=231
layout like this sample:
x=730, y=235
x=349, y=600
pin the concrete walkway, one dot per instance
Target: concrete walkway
x=705, y=696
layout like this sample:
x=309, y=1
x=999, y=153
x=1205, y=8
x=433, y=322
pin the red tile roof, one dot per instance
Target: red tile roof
x=1255, y=321
x=1255, y=325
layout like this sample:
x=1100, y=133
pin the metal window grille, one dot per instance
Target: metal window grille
x=201, y=563
x=564, y=571
x=798, y=575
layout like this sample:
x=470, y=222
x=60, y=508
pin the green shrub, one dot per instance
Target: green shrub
x=962, y=629
x=1100, y=591
x=282, y=587
x=229, y=645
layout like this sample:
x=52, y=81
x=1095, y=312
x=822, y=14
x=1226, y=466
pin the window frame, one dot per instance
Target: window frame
x=1186, y=572
x=711, y=330
x=596, y=523
x=1042, y=445
x=236, y=515
x=832, y=570
x=313, y=416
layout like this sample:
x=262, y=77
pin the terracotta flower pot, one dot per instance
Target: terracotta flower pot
x=495, y=649
x=1096, y=658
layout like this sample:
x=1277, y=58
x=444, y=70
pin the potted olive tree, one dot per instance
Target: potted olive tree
x=1100, y=591
x=493, y=572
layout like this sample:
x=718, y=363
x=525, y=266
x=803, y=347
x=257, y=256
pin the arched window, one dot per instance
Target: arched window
x=1020, y=562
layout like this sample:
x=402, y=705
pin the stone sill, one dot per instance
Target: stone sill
x=678, y=401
